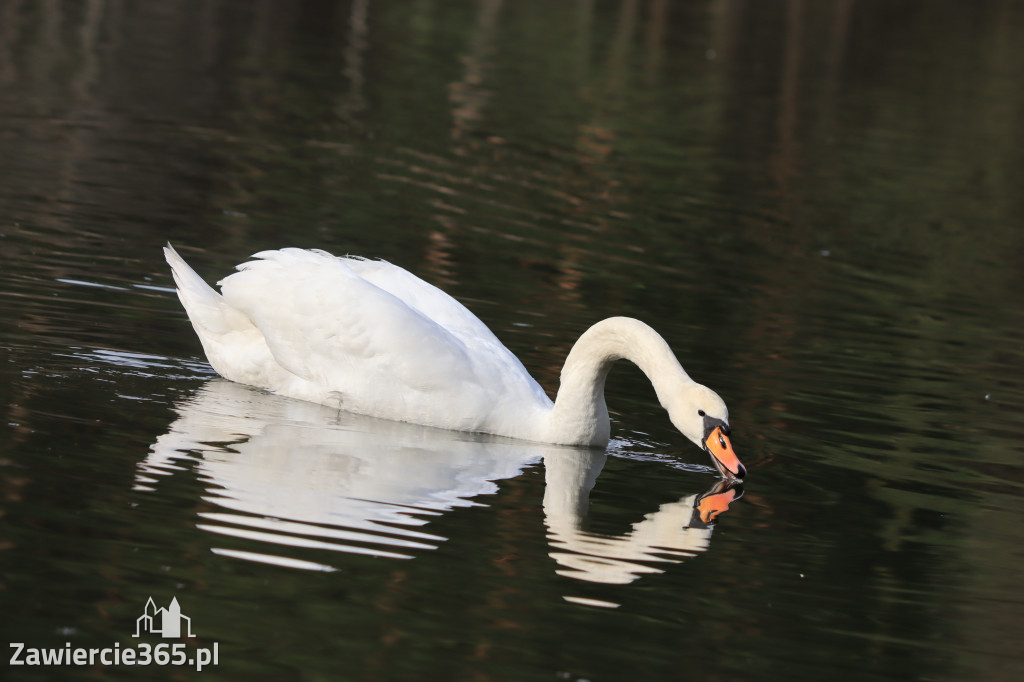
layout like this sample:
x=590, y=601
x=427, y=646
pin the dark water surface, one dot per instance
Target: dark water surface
x=817, y=203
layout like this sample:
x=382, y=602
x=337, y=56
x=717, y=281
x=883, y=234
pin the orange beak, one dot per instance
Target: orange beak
x=718, y=444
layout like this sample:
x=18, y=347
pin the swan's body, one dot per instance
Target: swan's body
x=371, y=338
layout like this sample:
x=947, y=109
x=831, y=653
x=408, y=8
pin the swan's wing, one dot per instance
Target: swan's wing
x=350, y=341
x=455, y=318
x=430, y=301
x=317, y=314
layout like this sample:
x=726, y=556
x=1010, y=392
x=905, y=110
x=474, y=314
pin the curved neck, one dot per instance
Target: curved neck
x=580, y=415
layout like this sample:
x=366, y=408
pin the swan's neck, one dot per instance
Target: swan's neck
x=580, y=415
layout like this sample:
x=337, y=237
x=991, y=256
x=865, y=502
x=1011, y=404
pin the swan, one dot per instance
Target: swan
x=369, y=337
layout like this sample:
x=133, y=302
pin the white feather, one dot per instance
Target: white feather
x=366, y=336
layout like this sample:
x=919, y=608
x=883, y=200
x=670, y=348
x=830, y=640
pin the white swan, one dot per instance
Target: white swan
x=371, y=338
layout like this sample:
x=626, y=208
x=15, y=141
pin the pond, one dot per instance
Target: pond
x=817, y=205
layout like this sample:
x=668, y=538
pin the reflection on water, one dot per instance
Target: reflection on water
x=298, y=470
x=676, y=531
x=291, y=474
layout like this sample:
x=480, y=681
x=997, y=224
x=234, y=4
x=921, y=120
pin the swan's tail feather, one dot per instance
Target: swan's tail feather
x=206, y=308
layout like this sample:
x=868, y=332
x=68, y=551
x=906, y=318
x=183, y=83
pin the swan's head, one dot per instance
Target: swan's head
x=703, y=417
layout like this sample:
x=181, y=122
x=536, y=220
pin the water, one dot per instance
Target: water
x=817, y=204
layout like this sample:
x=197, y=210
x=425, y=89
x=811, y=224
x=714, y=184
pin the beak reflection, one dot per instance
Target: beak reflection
x=717, y=500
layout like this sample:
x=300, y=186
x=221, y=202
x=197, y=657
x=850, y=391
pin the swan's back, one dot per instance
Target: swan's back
x=366, y=336
x=428, y=300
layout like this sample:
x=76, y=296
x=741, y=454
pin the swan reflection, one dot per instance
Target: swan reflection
x=673, y=533
x=285, y=473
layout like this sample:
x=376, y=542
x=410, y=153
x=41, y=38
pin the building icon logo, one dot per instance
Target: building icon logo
x=166, y=622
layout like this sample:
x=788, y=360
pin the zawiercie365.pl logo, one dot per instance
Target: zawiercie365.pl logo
x=169, y=623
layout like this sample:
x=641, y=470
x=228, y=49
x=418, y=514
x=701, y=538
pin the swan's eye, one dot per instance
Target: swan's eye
x=700, y=412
